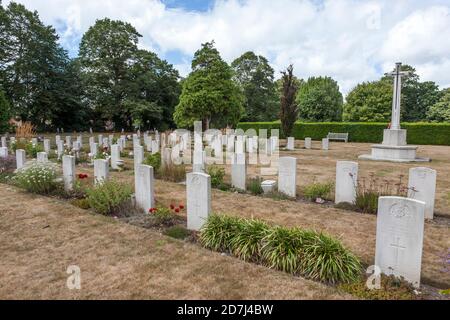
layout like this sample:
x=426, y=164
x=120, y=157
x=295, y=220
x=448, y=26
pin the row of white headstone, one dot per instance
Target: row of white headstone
x=421, y=185
x=290, y=144
x=400, y=221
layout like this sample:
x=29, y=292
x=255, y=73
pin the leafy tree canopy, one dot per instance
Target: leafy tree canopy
x=256, y=79
x=319, y=99
x=209, y=93
x=4, y=112
x=369, y=101
x=124, y=84
x=34, y=69
x=440, y=111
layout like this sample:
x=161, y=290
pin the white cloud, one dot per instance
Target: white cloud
x=350, y=40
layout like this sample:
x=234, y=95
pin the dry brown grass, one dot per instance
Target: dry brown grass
x=356, y=230
x=41, y=237
x=162, y=262
x=25, y=130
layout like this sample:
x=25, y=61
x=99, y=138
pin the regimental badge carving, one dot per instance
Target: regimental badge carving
x=399, y=210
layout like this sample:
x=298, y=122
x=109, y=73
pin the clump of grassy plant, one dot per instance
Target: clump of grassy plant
x=318, y=190
x=37, y=177
x=369, y=190
x=309, y=253
x=254, y=186
x=325, y=259
x=108, y=197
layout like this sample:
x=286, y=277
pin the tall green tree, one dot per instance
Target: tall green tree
x=288, y=106
x=154, y=91
x=369, y=101
x=32, y=66
x=440, y=111
x=256, y=79
x=5, y=113
x=319, y=99
x=106, y=51
x=209, y=93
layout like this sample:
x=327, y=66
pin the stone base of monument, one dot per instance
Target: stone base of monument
x=394, y=148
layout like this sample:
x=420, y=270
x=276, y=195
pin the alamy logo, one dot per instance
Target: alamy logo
x=74, y=280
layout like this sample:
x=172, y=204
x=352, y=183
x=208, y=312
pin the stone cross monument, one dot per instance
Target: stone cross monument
x=394, y=146
x=397, y=74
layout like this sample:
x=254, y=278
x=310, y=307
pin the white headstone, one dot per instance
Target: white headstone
x=399, y=243
x=41, y=157
x=101, y=170
x=198, y=199
x=239, y=147
x=138, y=157
x=239, y=171
x=199, y=161
x=47, y=145
x=60, y=148
x=287, y=176
x=145, y=187
x=94, y=149
x=69, y=141
x=115, y=156
x=4, y=142
x=20, y=158
x=155, y=146
x=308, y=143
x=422, y=187
x=346, y=181
x=3, y=152
x=68, y=164
x=325, y=144
x=290, y=143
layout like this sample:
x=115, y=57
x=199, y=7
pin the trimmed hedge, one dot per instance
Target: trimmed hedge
x=418, y=133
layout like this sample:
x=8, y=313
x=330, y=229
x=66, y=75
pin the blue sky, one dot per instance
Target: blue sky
x=191, y=5
x=350, y=40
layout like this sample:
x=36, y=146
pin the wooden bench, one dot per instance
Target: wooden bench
x=337, y=136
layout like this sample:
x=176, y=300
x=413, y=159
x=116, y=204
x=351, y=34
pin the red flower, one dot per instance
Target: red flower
x=82, y=176
x=177, y=210
x=151, y=210
x=172, y=206
x=181, y=207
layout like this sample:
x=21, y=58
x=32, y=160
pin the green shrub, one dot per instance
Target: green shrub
x=418, y=133
x=30, y=149
x=254, y=186
x=325, y=259
x=318, y=190
x=163, y=215
x=217, y=174
x=177, y=232
x=282, y=249
x=311, y=254
x=217, y=232
x=108, y=197
x=153, y=160
x=37, y=177
x=246, y=244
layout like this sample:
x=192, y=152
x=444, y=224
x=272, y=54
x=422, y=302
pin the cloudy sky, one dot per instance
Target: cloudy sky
x=349, y=40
